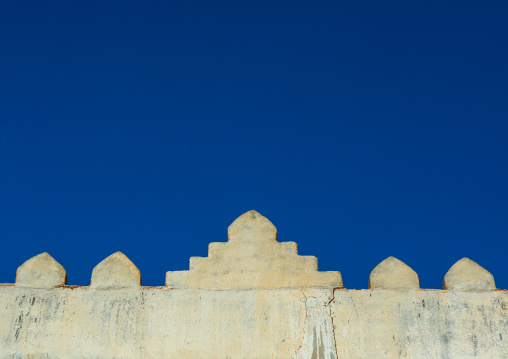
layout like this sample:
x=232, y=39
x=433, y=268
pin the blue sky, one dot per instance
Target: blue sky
x=362, y=130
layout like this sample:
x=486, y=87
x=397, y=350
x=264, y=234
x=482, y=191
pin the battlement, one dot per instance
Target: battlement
x=252, y=297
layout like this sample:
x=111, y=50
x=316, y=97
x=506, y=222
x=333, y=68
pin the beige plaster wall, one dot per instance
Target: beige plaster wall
x=252, y=323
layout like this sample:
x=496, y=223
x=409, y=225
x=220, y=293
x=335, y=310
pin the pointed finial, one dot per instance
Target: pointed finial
x=252, y=226
x=393, y=274
x=116, y=271
x=41, y=271
x=467, y=275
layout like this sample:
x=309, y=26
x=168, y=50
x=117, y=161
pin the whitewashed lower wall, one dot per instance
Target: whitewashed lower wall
x=82, y=322
x=421, y=324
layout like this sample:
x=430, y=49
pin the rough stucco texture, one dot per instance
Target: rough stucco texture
x=255, y=323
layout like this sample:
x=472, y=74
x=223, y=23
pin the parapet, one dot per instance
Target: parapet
x=252, y=258
x=252, y=297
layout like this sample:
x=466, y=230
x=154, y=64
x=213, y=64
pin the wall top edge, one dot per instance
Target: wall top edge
x=70, y=288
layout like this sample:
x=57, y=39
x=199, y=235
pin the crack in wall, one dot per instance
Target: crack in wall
x=333, y=324
x=318, y=340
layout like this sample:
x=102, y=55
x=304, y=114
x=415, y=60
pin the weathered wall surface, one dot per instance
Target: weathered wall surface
x=253, y=323
x=420, y=324
x=228, y=306
x=157, y=323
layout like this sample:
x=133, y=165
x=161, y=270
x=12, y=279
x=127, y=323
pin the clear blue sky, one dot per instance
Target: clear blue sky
x=361, y=129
